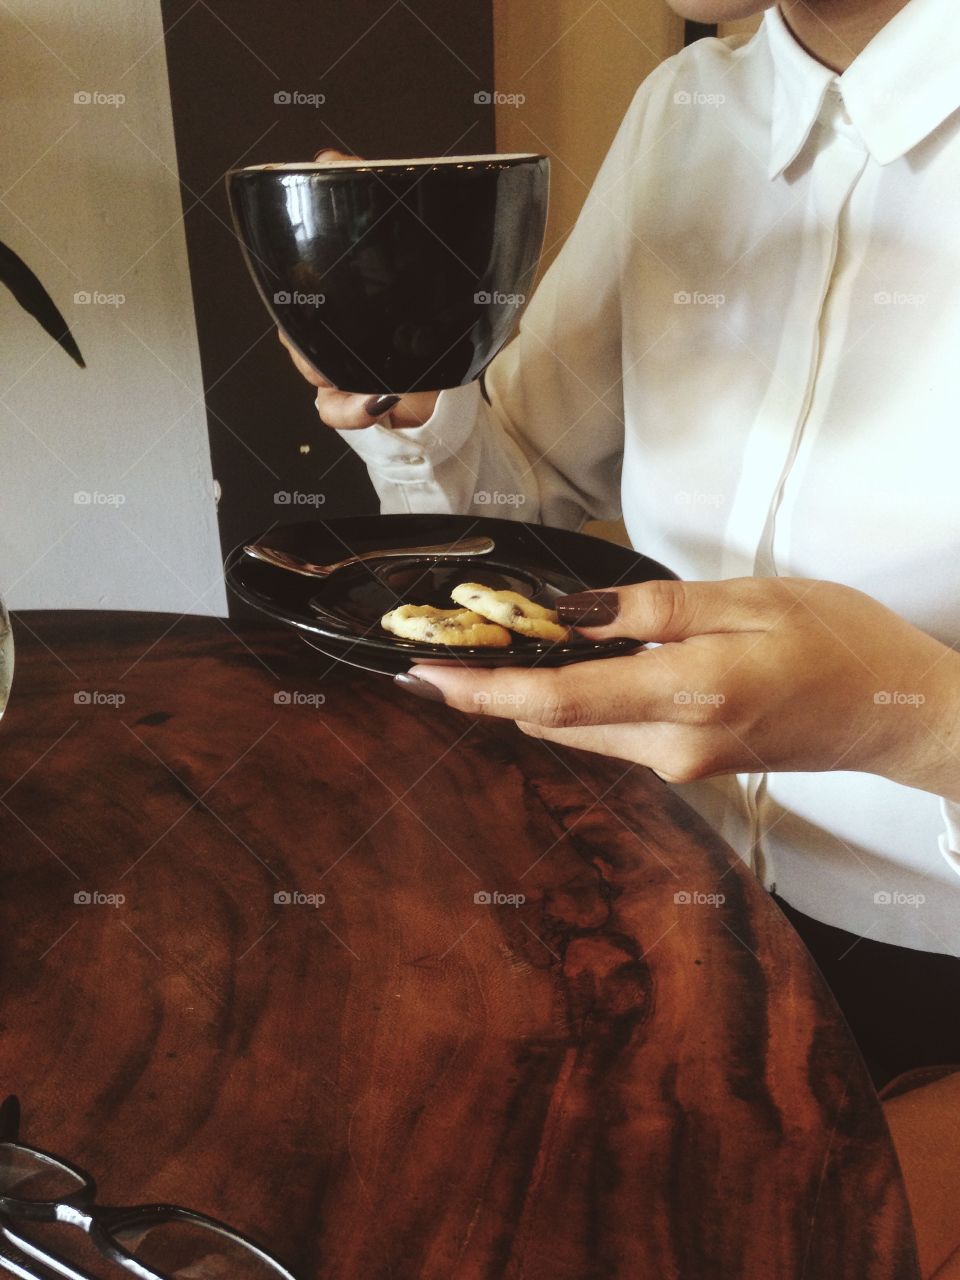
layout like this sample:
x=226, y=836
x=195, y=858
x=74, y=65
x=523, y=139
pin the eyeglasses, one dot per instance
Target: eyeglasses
x=150, y=1241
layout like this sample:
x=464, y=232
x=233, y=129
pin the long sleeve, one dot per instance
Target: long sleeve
x=548, y=445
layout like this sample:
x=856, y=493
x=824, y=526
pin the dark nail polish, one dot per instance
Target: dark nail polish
x=378, y=405
x=588, y=608
x=419, y=688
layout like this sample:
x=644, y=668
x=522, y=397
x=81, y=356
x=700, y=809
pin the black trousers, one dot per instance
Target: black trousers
x=902, y=1006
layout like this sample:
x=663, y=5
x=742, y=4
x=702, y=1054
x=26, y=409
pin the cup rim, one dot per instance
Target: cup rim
x=415, y=162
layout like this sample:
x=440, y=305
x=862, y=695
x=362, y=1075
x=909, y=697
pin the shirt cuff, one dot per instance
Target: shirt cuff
x=409, y=454
x=950, y=841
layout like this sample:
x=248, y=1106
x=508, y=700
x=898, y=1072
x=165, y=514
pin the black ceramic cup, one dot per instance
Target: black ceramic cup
x=394, y=275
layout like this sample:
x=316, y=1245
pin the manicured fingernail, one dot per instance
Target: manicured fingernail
x=327, y=151
x=588, y=608
x=419, y=688
x=378, y=405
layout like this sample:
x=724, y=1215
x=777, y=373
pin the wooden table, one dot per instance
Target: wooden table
x=399, y=1079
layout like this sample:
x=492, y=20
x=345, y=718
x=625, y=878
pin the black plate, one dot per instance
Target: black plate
x=340, y=615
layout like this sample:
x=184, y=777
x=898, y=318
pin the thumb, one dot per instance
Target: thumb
x=665, y=610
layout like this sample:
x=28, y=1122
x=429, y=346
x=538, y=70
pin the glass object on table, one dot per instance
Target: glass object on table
x=6, y=657
x=41, y=1192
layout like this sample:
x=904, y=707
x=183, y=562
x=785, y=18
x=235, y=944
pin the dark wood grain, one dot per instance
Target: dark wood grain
x=604, y=1081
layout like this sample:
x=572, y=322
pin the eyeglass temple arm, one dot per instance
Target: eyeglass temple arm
x=14, y=1266
x=46, y=1263
x=10, y=1118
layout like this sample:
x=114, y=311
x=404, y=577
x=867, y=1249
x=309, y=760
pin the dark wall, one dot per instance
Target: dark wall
x=698, y=31
x=398, y=79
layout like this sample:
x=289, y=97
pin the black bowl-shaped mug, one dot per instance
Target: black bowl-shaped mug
x=394, y=275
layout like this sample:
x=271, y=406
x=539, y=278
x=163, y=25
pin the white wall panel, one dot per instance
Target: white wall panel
x=90, y=199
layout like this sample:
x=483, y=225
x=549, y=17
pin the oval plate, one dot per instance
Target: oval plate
x=340, y=615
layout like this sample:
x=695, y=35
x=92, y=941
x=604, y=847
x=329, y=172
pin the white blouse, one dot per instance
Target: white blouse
x=750, y=345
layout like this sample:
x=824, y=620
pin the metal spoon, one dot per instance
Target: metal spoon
x=296, y=564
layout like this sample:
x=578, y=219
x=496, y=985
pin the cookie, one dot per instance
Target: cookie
x=512, y=610
x=444, y=626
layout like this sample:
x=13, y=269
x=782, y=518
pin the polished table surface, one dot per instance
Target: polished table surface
x=245, y=968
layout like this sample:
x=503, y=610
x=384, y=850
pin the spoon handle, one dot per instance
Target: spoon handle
x=479, y=546
x=468, y=547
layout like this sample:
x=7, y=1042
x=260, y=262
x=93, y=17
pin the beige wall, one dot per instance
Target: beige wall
x=577, y=64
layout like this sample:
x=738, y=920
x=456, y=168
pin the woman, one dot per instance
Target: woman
x=748, y=346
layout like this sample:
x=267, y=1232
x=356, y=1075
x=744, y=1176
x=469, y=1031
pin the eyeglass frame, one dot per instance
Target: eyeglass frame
x=79, y=1209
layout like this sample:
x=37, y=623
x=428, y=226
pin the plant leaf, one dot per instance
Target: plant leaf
x=33, y=297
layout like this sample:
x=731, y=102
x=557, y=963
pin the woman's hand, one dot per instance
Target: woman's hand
x=346, y=411
x=751, y=675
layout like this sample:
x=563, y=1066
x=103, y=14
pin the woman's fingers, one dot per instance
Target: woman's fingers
x=342, y=410
x=346, y=412
x=644, y=687
x=349, y=412
x=675, y=753
x=665, y=611
x=302, y=365
x=693, y=684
